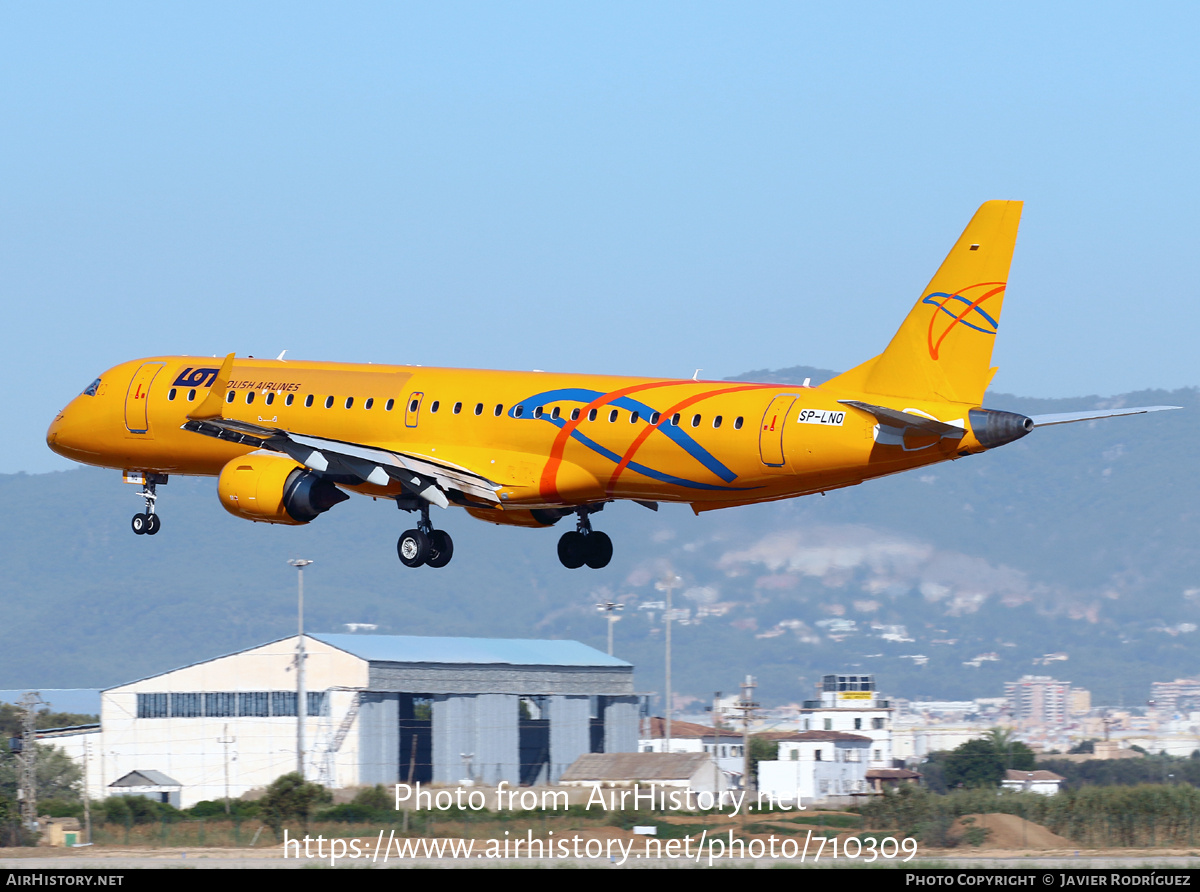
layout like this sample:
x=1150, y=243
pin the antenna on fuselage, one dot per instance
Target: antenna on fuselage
x=279, y=358
x=696, y=376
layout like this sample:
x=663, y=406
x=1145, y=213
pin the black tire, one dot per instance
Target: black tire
x=572, y=550
x=413, y=548
x=140, y=523
x=441, y=549
x=599, y=550
x=153, y=524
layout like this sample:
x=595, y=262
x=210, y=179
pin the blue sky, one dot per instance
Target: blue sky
x=627, y=188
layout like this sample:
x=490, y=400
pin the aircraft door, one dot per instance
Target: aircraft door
x=770, y=436
x=137, y=398
x=412, y=409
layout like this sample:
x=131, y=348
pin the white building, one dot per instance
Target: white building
x=851, y=704
x=817, y=766
x=380, y=709
x=1046, y=783
x=724, y=746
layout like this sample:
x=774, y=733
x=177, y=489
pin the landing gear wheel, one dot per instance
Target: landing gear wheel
x=572, y=550
x=153, y=524
x=441, y=549
x=140, y=523
x=599, y=550
x=413, y=548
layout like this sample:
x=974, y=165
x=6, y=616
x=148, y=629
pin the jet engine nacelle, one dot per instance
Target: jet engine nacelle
x=274, y=489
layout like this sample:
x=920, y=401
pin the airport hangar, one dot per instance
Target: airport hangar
x=381, y=709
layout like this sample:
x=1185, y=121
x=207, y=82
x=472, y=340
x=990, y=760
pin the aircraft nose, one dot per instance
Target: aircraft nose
x=68, y=436
x=54, y=430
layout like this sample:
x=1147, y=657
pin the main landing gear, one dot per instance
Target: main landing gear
x=149, y=523
x=585, y=545
x=424, y=545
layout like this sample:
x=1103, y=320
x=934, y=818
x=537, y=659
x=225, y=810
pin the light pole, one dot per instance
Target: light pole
x=609, y=608
x=667, y=584
x=300, y=564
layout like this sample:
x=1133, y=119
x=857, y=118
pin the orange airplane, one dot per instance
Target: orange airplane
x=287, y=440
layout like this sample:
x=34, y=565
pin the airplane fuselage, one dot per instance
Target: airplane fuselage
x=547, y=439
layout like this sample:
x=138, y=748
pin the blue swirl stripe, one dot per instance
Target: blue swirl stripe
x=941, y=305
x=677, y=436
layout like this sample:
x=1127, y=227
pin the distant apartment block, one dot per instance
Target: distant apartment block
x=1039, y=701
x=1176, y=697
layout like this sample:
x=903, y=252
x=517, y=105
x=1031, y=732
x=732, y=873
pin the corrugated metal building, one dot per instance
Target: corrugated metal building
x=380, y=709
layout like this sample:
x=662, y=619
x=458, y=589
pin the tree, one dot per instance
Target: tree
x=12, y=722
x=982, y=762
x=761, y=749
x=58, y=776
x=291, y=798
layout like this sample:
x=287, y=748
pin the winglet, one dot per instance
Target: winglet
x=211, y=407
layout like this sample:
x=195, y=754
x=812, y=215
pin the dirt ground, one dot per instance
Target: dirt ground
x=1014, y=833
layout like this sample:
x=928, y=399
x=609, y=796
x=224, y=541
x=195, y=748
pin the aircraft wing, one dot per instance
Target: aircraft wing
x=1069, y=417
x=436, y=482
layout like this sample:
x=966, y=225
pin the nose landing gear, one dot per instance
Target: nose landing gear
x=585, y=545
x=149, y=523
x=424, y=545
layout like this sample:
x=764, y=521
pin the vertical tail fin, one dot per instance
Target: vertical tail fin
x=943, y=350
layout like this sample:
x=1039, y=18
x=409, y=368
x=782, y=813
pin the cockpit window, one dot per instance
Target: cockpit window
x=90, y=390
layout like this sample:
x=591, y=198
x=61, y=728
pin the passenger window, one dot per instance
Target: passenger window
x=433, y=407
x=249, y=397
x=289, y=399
x=695, y=421
x=737, y=423
x=675, y=419
x=499, y=410
x=349, y=401
x=171, y=394
x=519, y=411
x=592, y=415
x=369, y=403
x=575, y=414
x=479, y=408
x=555, y=413
x=308, y=401
x=654, y=418
x=229, y=397
x=537, y=413
x=270, y=398
x=387, y=407
x=633, y=418
x=328, y=402
x=413, y=404
x=717, y=421
x=191, y=396
x=457, y=408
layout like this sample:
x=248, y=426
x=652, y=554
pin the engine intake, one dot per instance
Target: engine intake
x=275, y=489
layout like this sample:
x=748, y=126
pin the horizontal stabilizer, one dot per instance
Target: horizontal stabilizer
x=1069, y=417
x=896, y=418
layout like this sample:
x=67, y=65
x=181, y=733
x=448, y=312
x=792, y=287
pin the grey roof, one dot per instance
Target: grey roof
x=636, y=766
x=145, y=778
x=457, y=651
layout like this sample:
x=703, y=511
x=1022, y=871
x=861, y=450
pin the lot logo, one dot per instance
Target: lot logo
x=961, y=308
x=190, y=377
